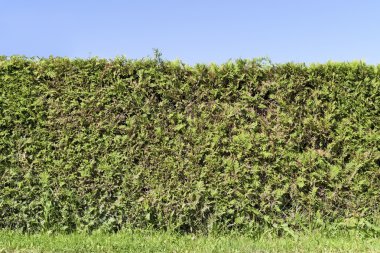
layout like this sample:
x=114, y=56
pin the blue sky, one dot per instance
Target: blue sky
x=194, y=31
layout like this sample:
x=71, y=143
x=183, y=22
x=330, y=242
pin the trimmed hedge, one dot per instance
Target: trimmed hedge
x=94, y=143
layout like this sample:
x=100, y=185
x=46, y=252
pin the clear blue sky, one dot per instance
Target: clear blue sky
x=194, y=30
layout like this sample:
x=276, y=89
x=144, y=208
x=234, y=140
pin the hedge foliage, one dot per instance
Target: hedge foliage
x=95, y=143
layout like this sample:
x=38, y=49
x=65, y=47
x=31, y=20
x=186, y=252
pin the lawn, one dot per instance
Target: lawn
x=148, y=241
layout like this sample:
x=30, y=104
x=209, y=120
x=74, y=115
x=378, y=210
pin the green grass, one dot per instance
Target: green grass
x=145, y=241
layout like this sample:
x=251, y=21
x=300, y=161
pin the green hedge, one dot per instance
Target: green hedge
x=94, y=143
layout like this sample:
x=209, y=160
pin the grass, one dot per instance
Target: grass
x=148, y=241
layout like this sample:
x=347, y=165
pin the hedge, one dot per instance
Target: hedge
x=95, y=143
